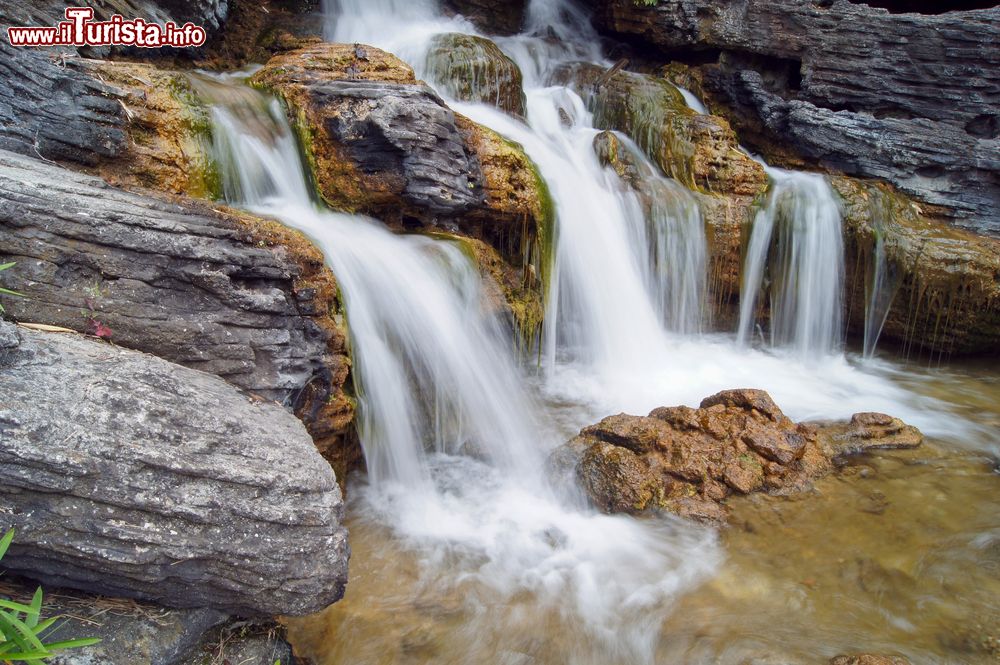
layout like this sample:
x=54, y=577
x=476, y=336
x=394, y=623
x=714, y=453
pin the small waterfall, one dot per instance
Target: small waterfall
x=796, y=255
x=626, y=272
x=432, y=371
x=453, y=447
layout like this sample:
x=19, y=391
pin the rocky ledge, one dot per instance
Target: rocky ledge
x=127, y=475
x=910, y=97
x=688, y=461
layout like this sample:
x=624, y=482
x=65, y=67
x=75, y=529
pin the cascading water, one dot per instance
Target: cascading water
x=438, y=390
x=797, y=251
x=528, y=575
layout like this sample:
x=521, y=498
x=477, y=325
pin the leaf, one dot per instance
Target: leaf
x=44, y=327
x=8, y=265
x=26, y=656
x=5, y=542
x=17, y=607
x=32, y=616
x=73, y=644
x=100, y=330
x=44, y=625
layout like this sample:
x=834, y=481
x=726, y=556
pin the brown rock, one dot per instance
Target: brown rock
x=640, y=435
x=869, y=431
x=616, y=479
x=688, y=461
x=782, y=447
x=869, y=659
x=746, y=398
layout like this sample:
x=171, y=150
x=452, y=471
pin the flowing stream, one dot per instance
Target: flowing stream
x=463, y=551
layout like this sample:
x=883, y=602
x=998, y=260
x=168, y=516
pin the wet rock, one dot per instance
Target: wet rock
x=688, y=461
x=616, y=479
x=167, y=128
x=870, y=431
x=940, y=282
x=379, y=139
x=855, y=88
x=220, y=291
x=127, y=475
x=699, y=151
x=497, y=18
x=385, y=144
x=474, y=69
x=869, y=659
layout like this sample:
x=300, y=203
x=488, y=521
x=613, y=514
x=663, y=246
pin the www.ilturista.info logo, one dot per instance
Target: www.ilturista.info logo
x=79, y=29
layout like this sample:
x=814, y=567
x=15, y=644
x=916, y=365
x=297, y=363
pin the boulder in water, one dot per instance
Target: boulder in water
x=688, y=461
x=127, y=475
x=474, y=69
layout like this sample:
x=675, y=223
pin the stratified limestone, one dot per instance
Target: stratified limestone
x=910, y=98
x=942, y=282
x=221, y=291
x=127, y=475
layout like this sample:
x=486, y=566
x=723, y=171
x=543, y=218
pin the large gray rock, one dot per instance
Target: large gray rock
x=910, y=98
x=127, y=475
x=50, y=108
x=216, y=291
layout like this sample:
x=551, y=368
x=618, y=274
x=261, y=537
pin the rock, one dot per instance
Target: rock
x=616, y=479
x=127, y=475
x=869, y=659
x=380, y=141
x=474, y=69
x=697, y=150
x=941, y=283
x=688, y=461
x=168, y=130
x=52, y=109
x=384, y=144
x=240, y=297
x=869, y=431
x=906, y=97
x=497, y=18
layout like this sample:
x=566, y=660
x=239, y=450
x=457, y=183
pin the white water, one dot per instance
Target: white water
x=435, y=376
x=797, y=250
x=436, y=381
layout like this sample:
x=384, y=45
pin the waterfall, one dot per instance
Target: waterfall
x=796, y=255
x=431, y=369
x=626, y=272
x=449, y=429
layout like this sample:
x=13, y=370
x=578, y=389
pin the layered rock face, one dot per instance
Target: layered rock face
x=908, y=98
x=687, y=461
x=700, y=151
x=940, y=282
x=245, y=299
x=127, y=475
x=384, y=144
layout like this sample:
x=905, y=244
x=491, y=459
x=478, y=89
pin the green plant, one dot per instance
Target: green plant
x=4, y=291
x=21, y=626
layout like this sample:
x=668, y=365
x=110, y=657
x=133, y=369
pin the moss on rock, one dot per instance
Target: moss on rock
x=474, y=69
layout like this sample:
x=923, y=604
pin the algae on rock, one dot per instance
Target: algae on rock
x=474, y=69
